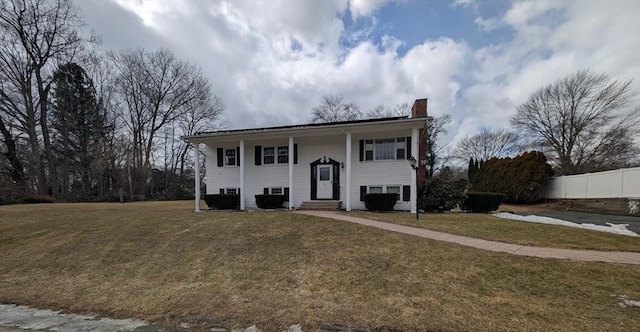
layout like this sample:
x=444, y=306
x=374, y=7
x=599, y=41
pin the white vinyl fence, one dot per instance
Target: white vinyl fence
x=620, y=183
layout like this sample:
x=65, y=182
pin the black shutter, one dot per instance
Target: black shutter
x=220, y=157
x=336, y=181
x=361, y=150
x=222, y=190
x=238, y=156
x=265, y=191
x=295, y=153
x=408, y=149
x=314, y=182
x=363, y=191
x=406, y=193
x=258, y=155
x=286, y=194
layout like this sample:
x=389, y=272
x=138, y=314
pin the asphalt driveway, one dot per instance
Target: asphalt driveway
x=590, y=218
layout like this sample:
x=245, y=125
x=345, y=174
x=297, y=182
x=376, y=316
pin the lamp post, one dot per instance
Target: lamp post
x=415, y=164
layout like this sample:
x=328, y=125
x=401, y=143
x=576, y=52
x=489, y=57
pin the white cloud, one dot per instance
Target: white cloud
x=246, y=51
x=552, y=39
x=359, y=8
x=271, y=61
x=487, y=24
x=463, y=3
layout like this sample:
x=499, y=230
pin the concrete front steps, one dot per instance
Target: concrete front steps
x=321, y=205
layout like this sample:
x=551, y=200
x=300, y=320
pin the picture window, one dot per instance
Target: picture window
x=385, y=149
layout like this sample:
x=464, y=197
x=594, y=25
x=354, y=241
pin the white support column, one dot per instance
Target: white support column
x=291, y=154
x=197, y=176
x=348, y=166
x=242, y=191
x=414, y=154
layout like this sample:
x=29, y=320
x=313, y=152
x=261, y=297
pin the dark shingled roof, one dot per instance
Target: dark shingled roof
x=300, y=126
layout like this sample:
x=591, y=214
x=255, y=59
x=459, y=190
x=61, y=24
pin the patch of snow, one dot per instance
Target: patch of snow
x=625, y=302
x=620, y=229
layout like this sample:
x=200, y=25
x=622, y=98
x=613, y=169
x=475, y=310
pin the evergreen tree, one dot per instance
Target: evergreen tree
x=472, y=170
x=79, y=127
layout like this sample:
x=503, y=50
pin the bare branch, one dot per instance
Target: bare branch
x=334, y=109
x=585, y=122
x=487, y=144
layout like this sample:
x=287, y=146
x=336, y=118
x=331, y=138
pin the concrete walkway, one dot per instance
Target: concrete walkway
x=514, y=249
x=15, y=318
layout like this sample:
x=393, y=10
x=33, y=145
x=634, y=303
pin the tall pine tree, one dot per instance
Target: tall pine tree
x=79, y=127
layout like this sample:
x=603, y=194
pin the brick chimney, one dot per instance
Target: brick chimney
x=419, y=108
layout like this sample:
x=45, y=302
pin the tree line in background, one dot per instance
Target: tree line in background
x=584, y=122
x=81, y=123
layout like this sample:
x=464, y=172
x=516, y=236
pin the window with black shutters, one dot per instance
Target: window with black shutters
x=269, y=155
x=230, y=157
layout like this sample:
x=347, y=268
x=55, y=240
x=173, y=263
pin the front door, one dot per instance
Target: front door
x=325, y=182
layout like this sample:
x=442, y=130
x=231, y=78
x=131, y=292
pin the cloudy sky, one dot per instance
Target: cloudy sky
x=271, y=61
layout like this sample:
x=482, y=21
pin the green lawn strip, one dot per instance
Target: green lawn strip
x=161, y=262
x=487, y=227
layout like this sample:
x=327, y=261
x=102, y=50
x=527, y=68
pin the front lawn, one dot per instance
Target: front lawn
x=488, y=227
x=162, y=262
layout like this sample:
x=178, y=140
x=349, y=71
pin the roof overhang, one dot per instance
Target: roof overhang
x=309, y=130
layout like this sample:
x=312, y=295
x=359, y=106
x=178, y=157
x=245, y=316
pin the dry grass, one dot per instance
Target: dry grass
x=487, y=227
x=164, y=263
x=530, y=208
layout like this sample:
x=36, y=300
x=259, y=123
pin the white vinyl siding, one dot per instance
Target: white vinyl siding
x=395, y=172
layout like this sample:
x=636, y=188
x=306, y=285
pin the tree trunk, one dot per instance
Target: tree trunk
x=44, y=95
x=37, y=159
x=16, y=171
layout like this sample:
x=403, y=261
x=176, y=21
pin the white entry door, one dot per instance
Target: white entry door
x=325, y=182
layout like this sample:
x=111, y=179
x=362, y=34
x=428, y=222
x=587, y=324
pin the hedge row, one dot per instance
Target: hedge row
x=479, y=202
x=442, y=195
x=520, y=179
x=269, y=201
x=439, y=195
x=223, y=201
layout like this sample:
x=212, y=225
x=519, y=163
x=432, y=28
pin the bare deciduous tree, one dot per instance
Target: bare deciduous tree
x=381, y=111
x=585, y=122
x=435, y=158
x=155, y=89
x=9, y=150
x=334, y=109
x=204, y=116
x=487, y=144
x=34, y=35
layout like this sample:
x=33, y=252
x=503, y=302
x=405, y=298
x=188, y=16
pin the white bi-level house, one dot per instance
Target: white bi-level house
x=338, y=161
